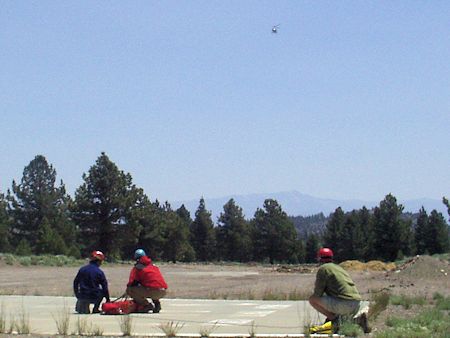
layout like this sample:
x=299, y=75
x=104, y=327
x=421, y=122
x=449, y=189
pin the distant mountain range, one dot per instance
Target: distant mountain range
x=295, y=203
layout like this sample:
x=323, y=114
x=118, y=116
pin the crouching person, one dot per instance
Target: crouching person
x=146, y=281
x=335, y=294
x=90, y=285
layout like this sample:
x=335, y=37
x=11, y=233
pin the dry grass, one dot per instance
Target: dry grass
x=126, y=324
x=171, y=328
x=62, y=320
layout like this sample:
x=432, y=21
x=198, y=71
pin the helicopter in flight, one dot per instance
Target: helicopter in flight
x=275, y=29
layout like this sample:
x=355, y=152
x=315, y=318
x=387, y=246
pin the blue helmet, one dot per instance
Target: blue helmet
x=139, y=253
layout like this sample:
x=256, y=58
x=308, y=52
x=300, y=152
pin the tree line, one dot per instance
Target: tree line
x=110, y=213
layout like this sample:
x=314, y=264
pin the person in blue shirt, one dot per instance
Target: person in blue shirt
x=90, y=285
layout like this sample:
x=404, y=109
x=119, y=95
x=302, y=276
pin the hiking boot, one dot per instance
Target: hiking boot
x=157, y=307
x=326, y=328
x=147, y=308
x=336, y=323
x=364, y=323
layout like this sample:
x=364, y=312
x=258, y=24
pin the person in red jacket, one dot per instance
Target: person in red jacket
x=146, y=281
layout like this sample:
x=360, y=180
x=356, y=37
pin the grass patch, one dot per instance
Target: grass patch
x=350, y=329
x=442, y=303
x=407, y=301
x=45, y=260
x=432, y=322
x=292, y=295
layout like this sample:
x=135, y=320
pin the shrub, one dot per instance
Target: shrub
x=380, y=302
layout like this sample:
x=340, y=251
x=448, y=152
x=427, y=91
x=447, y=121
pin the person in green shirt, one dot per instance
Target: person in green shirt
x=335, y=293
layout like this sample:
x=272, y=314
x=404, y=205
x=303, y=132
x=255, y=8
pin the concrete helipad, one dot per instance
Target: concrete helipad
x=221, y=317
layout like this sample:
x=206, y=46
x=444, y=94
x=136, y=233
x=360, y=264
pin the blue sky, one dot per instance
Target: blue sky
x=351, y=99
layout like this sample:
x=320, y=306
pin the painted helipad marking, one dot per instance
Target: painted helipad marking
x=231, y=321
x=254, y=313
x=272, y=307
x=190, y=311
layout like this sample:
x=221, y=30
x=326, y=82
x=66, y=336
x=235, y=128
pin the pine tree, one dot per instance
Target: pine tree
x=187, y=252
x=351, y=237
x=49, y=241
x=333, y=236
x=363, y=237
x=176, y=245
x=420, y=233
x=202, y=234
x=4, y=225
x=312, y=247
x=233, y=234
x=300, y=249
x=23, y=248
x=389, y=230
x=36, y=200
x=437, y=234
x=275, y=235
x=447, y=204
x=107, y=207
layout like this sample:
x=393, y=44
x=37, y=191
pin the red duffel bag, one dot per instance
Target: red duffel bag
x=119, y=307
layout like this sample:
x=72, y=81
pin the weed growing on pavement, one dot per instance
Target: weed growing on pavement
x=12, y=323
x=2, y=318
x=205, y=331
x=96, y=331
x=171, y=328
x=62, y=320
x=84, y=328
x=126, y=324
x=22, y=325
x=252, y=330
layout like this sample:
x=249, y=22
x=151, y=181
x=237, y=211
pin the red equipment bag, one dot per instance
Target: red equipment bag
x=119, y=307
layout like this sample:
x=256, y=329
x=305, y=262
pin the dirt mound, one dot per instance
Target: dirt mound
x=296, y=269
x=425, y=267
x=369, y=266
x=353, y=265
x=380, y=266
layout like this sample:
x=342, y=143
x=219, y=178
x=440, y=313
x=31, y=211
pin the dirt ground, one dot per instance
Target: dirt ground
x=421, y=276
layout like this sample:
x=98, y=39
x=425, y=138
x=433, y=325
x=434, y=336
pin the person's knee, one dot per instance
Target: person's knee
x=313, y=300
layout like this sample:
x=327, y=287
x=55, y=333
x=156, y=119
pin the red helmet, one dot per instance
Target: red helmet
x=97, y=255
x=325, y=254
